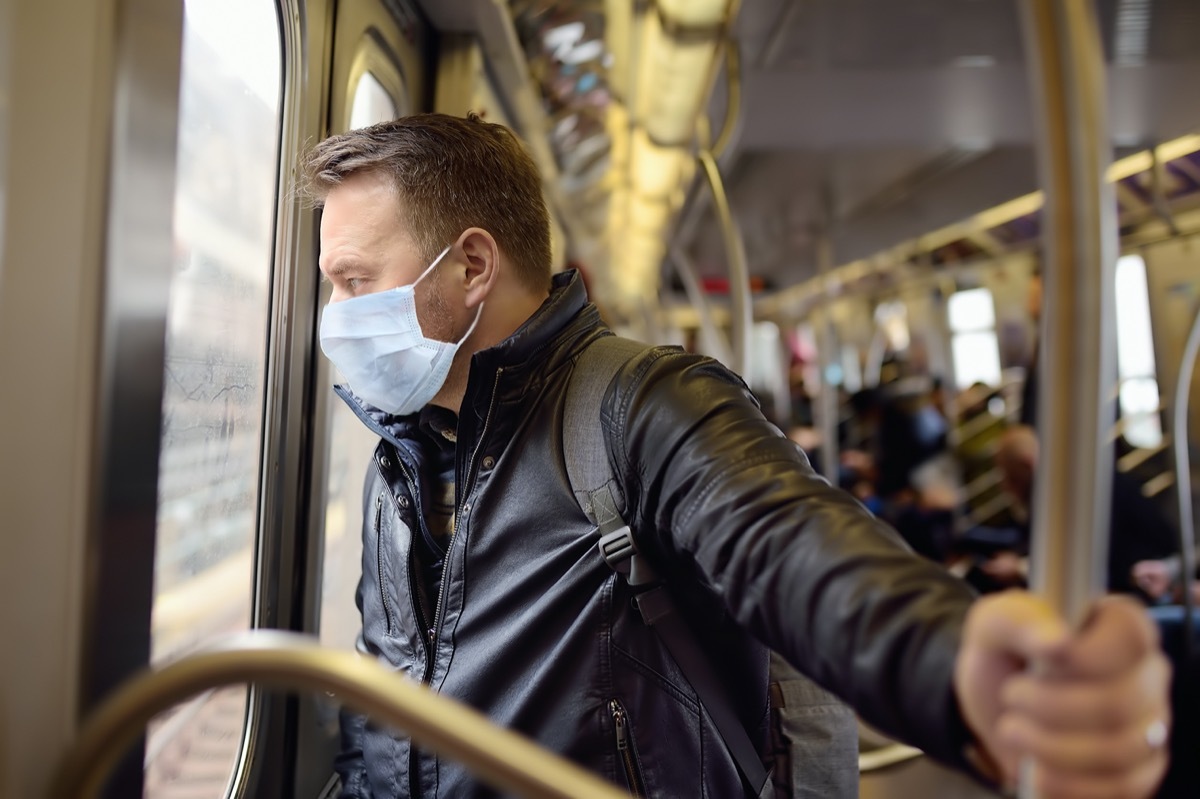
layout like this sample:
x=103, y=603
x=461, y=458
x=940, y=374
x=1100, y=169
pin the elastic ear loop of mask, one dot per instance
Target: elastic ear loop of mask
x=478, y=311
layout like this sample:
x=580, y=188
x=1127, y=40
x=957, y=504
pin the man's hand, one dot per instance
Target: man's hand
x=1093, y=712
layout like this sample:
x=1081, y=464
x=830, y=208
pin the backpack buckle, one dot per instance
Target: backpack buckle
x=618, y=549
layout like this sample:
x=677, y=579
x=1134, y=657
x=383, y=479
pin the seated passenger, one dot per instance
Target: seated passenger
x=1138, y=531
x=482, y=576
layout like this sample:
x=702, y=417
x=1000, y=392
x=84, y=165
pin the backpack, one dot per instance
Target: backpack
x=814, y=736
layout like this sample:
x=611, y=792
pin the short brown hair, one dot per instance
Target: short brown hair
x=449, y=174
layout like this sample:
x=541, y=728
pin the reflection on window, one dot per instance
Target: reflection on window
x=350, y=446
x=210, y=461
x=973, y=344
x=1139, y=399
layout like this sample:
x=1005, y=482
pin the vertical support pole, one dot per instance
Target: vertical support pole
x=1078, y=352
x=827, y=403
x=712, y=341
x=741, y=313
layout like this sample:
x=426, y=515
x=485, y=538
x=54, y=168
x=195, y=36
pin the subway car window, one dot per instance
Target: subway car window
x=1139, y=398
x=350, y=449
x=213, y=387
x=372, y=103
x=973, y=337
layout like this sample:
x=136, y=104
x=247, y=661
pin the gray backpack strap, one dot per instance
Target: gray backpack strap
x=599, y=494
x=592, y=480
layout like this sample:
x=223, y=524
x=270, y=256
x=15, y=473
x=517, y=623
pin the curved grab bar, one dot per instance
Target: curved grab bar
x=733, y=97
x=500, y=757
x=717, y=345
x=1183, y=483
x=739, y=271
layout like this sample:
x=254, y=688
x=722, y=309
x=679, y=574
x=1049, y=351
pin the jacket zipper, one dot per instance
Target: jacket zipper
x=458, y=519
x=387, y=609
x=625, y=748
x=418, y=603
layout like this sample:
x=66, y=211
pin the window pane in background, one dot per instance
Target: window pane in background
x=976, y=358
x=1135, y=343
x=350, y=448
x=1139, y=409
x=210, y=461
x=972, y=309
x=1135, y=355
x=372, y=103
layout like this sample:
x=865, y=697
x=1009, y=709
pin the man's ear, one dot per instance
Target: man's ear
x=482, y=256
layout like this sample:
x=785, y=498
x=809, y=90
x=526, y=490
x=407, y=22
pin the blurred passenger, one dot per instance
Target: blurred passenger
x=1138, y=531
x=482, y=575
x=1161, y=580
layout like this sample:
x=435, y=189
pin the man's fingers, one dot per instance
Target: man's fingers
x=1102, y=704
x=1016, y=624
x=1082, y=753
x=1115, y=637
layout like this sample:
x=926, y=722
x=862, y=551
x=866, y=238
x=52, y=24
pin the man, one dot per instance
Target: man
x=1140, y=538
x=481, y=575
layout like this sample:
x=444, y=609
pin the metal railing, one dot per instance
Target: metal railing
x=501, y=758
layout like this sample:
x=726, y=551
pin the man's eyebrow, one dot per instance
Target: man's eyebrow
x=342, y=265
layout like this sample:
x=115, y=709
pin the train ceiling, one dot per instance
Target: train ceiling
x=910, y=116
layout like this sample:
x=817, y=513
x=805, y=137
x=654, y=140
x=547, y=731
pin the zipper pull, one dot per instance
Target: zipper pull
x=430, y=633
x=618, y=714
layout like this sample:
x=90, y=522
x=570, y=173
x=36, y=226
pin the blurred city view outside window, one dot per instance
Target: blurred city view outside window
x=210, y=462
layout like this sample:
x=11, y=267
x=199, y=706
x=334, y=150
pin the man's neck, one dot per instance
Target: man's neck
x=502, y=316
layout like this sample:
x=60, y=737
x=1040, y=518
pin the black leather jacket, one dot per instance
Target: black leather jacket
x=532, y=627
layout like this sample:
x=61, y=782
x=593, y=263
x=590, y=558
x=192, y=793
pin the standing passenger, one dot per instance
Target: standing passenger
x=481, y=575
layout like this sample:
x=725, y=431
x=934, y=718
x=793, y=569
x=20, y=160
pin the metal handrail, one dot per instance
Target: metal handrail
x=1077, y=359
x=1078, y=366
x=292, y=661
x=1183, y=490
x=739, y=271
x=733, y=95
x=714, y=342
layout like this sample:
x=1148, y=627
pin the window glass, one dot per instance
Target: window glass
x=972, y=309
x=372, y=103
x=216, y=348
x=1139, y=399
x=350, y=447
x=976, y=358
x=973, y=343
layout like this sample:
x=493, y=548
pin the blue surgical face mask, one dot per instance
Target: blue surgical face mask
x=377, y=343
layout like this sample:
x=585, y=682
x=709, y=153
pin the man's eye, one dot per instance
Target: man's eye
x=353, y=283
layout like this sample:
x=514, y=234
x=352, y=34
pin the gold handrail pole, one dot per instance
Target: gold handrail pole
x=291, y=661
x=1077, y=369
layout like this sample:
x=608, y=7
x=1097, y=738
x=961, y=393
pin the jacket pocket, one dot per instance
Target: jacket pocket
x=627, y=749
x=380, y=555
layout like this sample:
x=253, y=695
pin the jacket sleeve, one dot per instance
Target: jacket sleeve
x=349, y=763
x=720, y=493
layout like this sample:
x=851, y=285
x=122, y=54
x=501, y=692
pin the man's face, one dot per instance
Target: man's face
x=365, y=249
